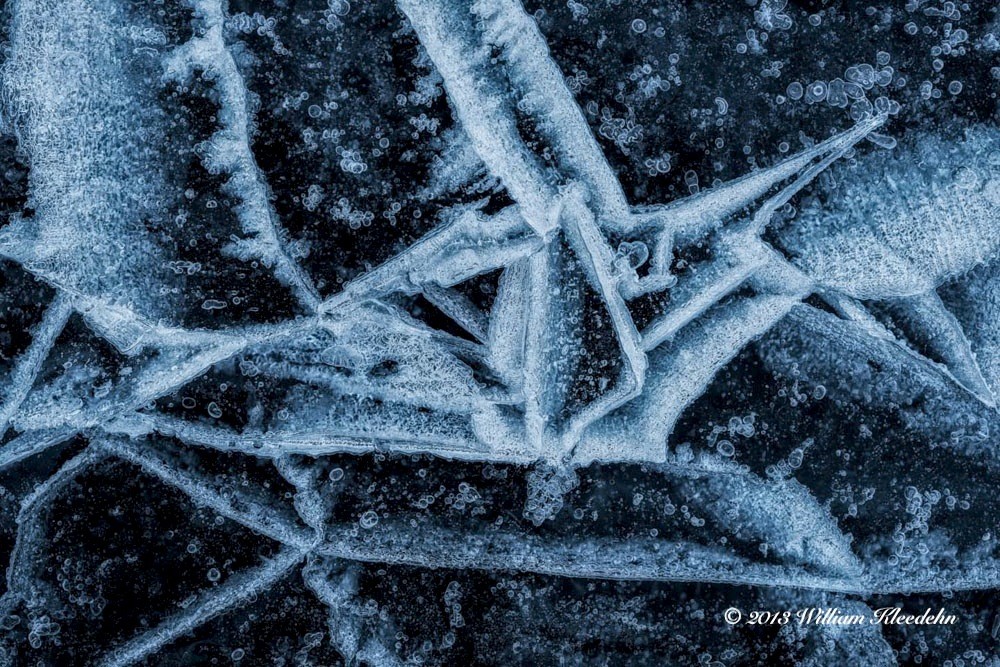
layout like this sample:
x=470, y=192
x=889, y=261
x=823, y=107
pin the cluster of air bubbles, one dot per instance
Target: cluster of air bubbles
x=248, y=368
x=754, y=44
x=851, y=497
x=334, y=13
x=770, y=15
x=294, y=102
x=313, y=197
x=247, y=23
x=658, y=165
x=467, y=496
x=392, y=212
x=649, y=83
x=492, y=472
x=578, y=80
x=181, y=267
x=41, y=627
x=350, y=161
x=424, y=501
x=797, y=394
x=578, y=9
x=452, y=598
x=547, y=489
x=342, y=211
x=427, y=87
x=684, y=455
x=722, y=436
x=624, y=132
x=852, y=89
x=952, y=42
x=383, y=144
x=787, y=466
x=77, y=584
x=260, y=25
x=423, y=123
x=910, y=539
x=773, y=70
x=310, y=136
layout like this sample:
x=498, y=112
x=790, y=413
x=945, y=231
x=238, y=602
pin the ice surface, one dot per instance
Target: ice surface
x=496, y=332
x=229, y=151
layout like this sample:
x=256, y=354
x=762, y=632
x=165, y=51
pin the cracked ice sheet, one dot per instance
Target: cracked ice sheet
x=466, y=333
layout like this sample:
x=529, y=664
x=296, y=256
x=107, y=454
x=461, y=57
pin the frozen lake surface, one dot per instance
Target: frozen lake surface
x=489, y=332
